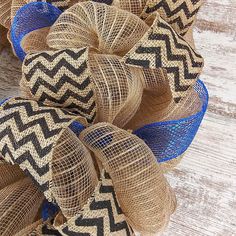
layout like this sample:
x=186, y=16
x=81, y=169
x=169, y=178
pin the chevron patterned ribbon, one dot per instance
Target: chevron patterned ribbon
x=101, y=216
x=179, y=14
x=162, y=47
x=61, y=79
x=28, y=133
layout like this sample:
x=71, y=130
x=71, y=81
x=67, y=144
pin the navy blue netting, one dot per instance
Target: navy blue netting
x=170, y=139
x=77, y=128
x=30, y=17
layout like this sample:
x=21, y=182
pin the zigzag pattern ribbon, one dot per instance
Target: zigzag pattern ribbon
x=62, y=79
x=101, y=216
x=179, y=14
x=28, y=133
x=162, y=47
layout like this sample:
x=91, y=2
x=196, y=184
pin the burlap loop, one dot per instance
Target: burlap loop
x=143, y=192
x=5, y=13
x=179, y=14
x=9, y=174
x=19, y=206
x=118, y=89
x=83, y=83
x=61, y=78
x=101, y=215
x=105, y=29
x=31, y=135
x=35, y=41
x=162, y=47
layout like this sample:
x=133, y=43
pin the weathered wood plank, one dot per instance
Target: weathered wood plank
x=215, y=36
x=205, y=182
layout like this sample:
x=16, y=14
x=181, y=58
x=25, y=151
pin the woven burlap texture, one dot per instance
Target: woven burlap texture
x=162, y=47
x=9, y=174
x=55, y=170
x=19, y=205
x=179, y=14
x=35, y=41
x=63, y=78
x=106, y=29
x=39, y=228
x=144, y=194
x=101, y=215
x=5, y=13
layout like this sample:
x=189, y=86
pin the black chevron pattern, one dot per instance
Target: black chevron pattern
x=102, y=216
x=162, y=47
x=62, y=79
x=28, y=133
x=179, y=14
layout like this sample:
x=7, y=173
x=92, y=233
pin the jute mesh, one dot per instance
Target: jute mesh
x=60, y=78
x=35, y=41
x=5, y=13
x=101, y=215
x=3, y=37
x=19, y=205
x=16, y=5
x=73, y=174
x=43, y=126
x=156, y=108
x=104, y=28
x=9, y=174
x=179, y=14
x=144, y=194
x=39, y=228
x=134, y=6
x=118, y=89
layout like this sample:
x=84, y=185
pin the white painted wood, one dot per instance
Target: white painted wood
x=205, y=182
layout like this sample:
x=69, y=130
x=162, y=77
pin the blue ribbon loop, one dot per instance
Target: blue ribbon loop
x=170, y=139
x=30, y=17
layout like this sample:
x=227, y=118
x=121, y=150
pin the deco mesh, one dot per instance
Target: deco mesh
x=19, y=206
x=73, y=174
x=142, y=190
x=104, y=28
x=118, y=89
x=5, y=13
x=35, y=41
x=9, y=174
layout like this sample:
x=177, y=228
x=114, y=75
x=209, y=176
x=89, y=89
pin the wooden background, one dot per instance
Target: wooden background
x=205, y=181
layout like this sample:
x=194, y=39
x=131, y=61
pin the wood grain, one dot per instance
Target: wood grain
x=205, y=181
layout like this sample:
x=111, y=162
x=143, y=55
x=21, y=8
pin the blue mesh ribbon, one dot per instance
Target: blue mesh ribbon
x=170, y=139
x=30, y=17
x=77, y=128
x=49, y=210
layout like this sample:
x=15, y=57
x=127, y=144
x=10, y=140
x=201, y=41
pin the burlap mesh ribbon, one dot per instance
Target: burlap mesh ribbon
x=101, y=215
x=39, y=140
x=122, y=62
x=142, y=190
x=19, y=206
x=105, y=29
x=84, y=83
x=9, y=174
x=179, y=14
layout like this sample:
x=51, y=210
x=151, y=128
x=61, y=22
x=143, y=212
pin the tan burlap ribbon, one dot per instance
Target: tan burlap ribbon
x=39, y=140
x=144, y=194
x=19, y=206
